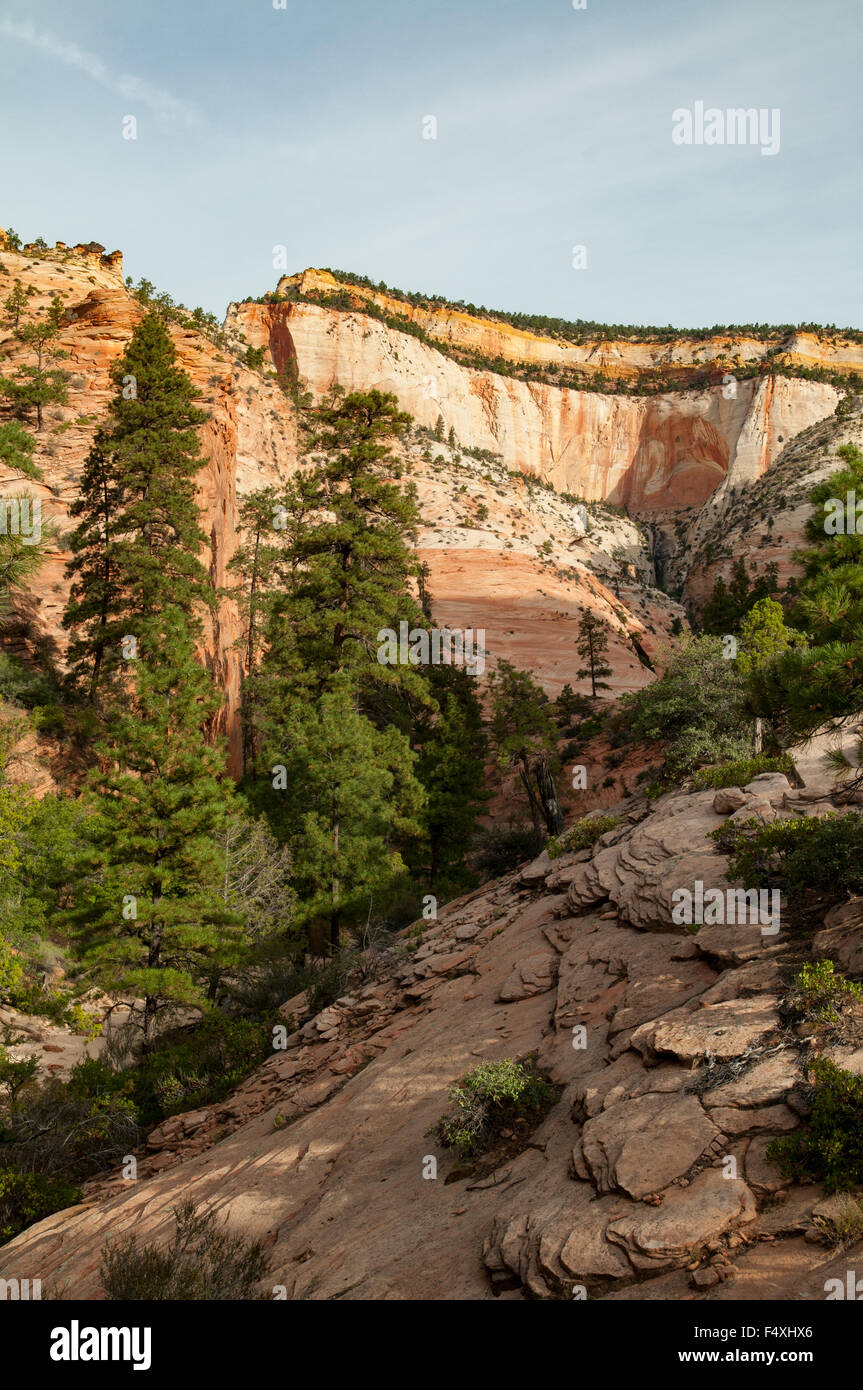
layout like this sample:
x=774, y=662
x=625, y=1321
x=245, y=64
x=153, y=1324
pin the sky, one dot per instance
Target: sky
x=307, y=127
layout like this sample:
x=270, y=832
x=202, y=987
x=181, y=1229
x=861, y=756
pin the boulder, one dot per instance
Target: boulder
x=722, y=1031
x=688, y=1219
x=639, y=1146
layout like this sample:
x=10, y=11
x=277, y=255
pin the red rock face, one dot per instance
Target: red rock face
x=521, y=573
x=248, y=442
x=647, y=453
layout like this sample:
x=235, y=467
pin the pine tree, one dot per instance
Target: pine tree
x=764, y=636
x=149, y=916
x=344, y=575
x=349, y=793
x=16, y=451
x=136, y=546
x=524, y=736
x=257, y=563
x=591, y=646
x=807, y=688
x=451, y=742
x=15, y=303
x=39, y=384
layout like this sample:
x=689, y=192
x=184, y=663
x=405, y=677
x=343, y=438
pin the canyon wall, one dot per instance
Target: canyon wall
x=503, y=551
x=248, y=441
x=642, y=452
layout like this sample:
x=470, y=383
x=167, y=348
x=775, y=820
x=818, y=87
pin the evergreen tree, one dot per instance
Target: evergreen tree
x=807, y=688
x=16, y=450
x=349, y=795
x=591, y=645
x=729, y=604
x=39, y=383
x=764, y=636
x=452, y=748
x=15, y=303
x=257, y=564
x=136, y=546
x=149, y=915
x=343, y=577
x=568, y=707
x=524, y=736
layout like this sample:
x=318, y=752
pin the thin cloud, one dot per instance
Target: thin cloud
x=162, y=104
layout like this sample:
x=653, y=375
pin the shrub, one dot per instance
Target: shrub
x=581, y=835
x=844, y=1224
x=498, y=852
x=199, y=1066
x=697, y=708
x=11, y=972
x=204, y=1262
x=819, y=853
x=741, y=771
x=69, y=1129
x=28, y=1197
x=495, y=1094
x=821, y=996
x=829, y=1149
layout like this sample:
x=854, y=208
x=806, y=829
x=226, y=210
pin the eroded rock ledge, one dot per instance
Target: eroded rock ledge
x=647, y=1180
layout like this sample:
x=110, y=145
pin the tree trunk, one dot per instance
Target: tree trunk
x=524, y=774
x=548, y=795
x=335, y=913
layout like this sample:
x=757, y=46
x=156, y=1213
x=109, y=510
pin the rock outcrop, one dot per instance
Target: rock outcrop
x=647, y=1179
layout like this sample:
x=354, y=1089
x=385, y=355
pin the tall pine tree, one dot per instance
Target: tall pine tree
x=136, y=548
x=149, y=916
x=591, y=646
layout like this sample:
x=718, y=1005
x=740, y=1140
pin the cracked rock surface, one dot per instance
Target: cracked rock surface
x=647, y=1179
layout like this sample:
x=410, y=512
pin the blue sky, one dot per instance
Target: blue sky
x=302, y=127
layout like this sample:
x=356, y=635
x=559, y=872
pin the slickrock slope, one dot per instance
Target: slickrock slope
x=646, y=453
x=648, y=1178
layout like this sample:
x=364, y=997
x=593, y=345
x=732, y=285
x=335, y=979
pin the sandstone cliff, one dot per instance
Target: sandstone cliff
x=644, y=452
x=505, y=555
x=249, y=439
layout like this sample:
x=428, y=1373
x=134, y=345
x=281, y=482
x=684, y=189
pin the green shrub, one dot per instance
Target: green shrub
x=28, y=1197
x=738, y=773
x=69, y=1129
x=829, y=1149
x=697, y=709
x=204, y=1262
x=581, y=834
x=486, y=1100
x=199, y=1066
x=11, y=972
x=821, y=996
x=823, y=853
